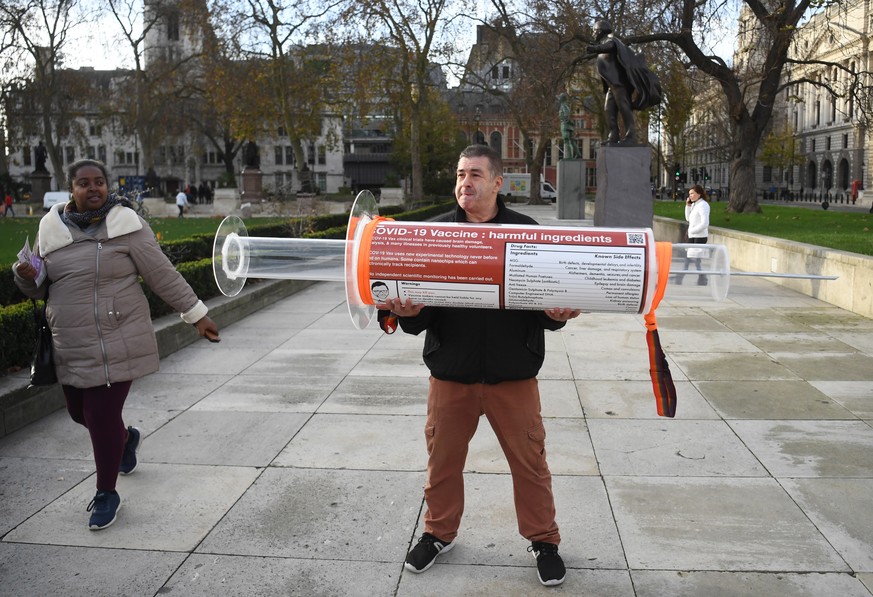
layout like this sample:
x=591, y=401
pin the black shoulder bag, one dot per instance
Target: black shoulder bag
x=42, y=366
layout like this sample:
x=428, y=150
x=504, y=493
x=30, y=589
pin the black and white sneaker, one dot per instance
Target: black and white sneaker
x=425, y=553
x=550, y=566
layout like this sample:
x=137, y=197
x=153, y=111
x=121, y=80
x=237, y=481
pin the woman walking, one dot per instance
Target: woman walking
x=94, y=249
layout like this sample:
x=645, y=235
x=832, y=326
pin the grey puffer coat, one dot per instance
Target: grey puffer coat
x=99, y=316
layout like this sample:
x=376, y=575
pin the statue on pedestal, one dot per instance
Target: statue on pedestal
x=627, y=81
x=40, y=154
x=571, y=150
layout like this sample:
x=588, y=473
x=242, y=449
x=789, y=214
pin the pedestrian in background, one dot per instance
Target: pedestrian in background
x=7, y=203
x=697, y=216
x=94, y=249
x=484, y=361
x=181, y=202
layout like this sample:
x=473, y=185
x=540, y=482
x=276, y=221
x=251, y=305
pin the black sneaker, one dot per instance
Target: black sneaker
x=425, y=553
x=550, y=566
x=128, y=458
x=104, y=508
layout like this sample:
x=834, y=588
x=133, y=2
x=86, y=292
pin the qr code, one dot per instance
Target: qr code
x=636, y=238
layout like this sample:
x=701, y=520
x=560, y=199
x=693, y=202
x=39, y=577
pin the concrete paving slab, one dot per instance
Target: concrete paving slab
x=670, y=448
x=867, y=579
x=391, y=362
x=28, y=484
x=211, y=575
x=54, y=436
x=840, y=508
x=489, y=530
x=231, y=438
x=635, y=400
x=814, y=343
x=368, y=442
x=269, y=393
x=559, y=398
x=481, y=581
x=759, y=320
x=172, y=391
x=377, y=395
x=612, y=342
x=630, y=366
x=224, y=360
x=715, y=366
x=302, y=362
x=316, y=339
x=771, y=400
x=829, y=318
x=856, y=396
x=683, y=319
x=674, y=341
x=810, y=448
x=588, y=324
x=322, y=515
x=39, y=570
x=744, y=584
x=164, y=507
x=718, y=524
x=829, y=366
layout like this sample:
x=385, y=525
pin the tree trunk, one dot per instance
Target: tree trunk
x=742, y=190
x=415, y=153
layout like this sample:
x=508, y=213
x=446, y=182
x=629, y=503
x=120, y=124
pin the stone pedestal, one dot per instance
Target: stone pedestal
x=571, y=190
x=252, y=184
x=225, y=202
x=624, y=193
x=40, y=184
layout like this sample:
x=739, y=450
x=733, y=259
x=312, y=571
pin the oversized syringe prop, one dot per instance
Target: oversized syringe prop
x=481, y=265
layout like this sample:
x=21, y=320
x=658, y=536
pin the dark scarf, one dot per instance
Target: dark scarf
x=85, y=219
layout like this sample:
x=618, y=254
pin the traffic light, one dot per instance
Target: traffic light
x=705, y=173
x=677, y=170
x=694, y=174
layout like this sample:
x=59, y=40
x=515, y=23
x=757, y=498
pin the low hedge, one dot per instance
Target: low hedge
x=192, y=258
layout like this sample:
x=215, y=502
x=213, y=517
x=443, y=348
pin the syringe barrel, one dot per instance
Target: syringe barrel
x=698, y=272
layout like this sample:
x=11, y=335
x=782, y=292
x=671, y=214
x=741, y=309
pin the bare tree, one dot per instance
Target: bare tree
x=422, y=34
x=33, y=38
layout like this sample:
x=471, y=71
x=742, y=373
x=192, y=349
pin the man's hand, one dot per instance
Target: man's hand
x=401, y=309
x=559, y=314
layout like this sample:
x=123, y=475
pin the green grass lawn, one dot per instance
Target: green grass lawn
x=846, y=231
x=13, y=231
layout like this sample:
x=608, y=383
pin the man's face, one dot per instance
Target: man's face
x=476, y=190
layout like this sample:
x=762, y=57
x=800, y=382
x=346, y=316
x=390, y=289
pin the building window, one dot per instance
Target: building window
x=590, y=177
x=101, y=153
x=505, y=72
x=95, y=130
x=592, y=150
x=173, y=26
x=277, y=151
x=289, y=155
x=321, y=181
x=828, y=143
x=768, y=174
x=282, y=132
x=26, y=154
x=495, y=71
x=845, y=140
x=322, y=156
x=812, y=145
x=70, y=153
x=91, y=153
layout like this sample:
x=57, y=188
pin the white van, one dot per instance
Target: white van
x=518, y=185
x=53, y=197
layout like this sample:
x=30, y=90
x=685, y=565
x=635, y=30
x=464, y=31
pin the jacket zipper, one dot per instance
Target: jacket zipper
x=97, y=315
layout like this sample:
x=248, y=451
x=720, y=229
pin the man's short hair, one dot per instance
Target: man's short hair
x=495, y=162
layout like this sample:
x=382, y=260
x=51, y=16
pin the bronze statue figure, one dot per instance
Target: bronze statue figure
x=40, y=154
x=571, y=149
x=628, y=83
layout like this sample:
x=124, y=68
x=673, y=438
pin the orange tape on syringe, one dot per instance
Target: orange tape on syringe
x=363, y=265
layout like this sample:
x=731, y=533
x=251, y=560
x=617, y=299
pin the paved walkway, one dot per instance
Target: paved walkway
x=288, y=460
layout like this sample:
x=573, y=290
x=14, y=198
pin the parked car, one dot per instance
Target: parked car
x=53, y=197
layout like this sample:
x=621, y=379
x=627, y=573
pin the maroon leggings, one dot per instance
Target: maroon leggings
x=99, y=410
